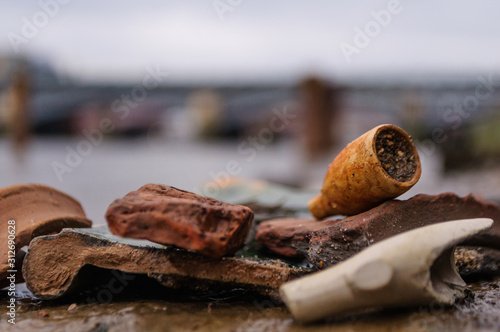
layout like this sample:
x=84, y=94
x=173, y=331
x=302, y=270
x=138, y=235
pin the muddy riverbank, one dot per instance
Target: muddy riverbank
x=142, y=306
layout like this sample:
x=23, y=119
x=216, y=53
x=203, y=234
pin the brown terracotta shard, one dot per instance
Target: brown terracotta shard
x=288, y=236
x=48, y=278
x=33, y=210
x=167, y=215
x=328, y=242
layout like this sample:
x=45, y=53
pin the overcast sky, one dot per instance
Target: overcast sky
x=254, y=39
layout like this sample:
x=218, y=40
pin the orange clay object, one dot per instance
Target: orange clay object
x=379, y=165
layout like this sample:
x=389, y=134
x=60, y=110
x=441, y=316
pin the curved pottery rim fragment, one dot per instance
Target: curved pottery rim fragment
x=410, y=269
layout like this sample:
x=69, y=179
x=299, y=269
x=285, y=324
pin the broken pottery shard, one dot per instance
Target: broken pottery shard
x=171, y=216
x=288, y=236
x=31, y=210
x=410, y=269
x=48, y=278
x=328, y=242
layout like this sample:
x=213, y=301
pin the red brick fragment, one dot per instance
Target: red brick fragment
x=170, y=216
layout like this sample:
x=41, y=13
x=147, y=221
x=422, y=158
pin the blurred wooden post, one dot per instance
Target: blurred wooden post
x=18, y=122
x=319, y=103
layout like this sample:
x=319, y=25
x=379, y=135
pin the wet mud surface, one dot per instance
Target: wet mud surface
x=142, y=306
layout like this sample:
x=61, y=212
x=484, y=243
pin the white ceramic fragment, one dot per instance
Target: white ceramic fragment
x=410, y=269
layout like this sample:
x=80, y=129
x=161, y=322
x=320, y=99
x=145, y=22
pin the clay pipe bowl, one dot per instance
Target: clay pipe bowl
x=380, y=165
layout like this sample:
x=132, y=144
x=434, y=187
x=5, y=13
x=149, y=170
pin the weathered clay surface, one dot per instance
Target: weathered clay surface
x=50, y=278
x=328, y=242
x=289, y=236
x=171, y=216
x=37, y=210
